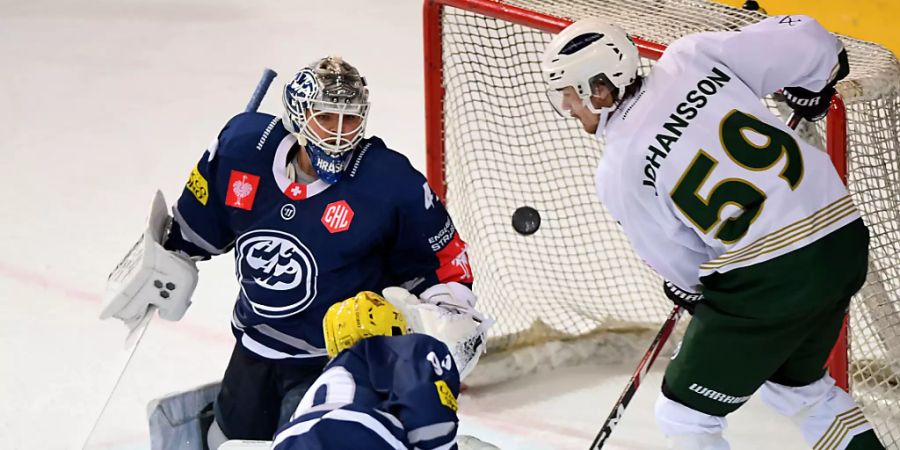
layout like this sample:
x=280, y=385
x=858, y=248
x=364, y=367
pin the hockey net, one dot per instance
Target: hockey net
x=575, y=291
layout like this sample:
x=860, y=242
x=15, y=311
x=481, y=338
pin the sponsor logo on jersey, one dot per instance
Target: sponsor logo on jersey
x=454, y=262
x=288, y=212
x=337, y=217
x=446, y=395
x=241, y=190
x=444, y=236
x=276, y=272
x=198, y=186
x=717, y=396
x=296, y=191
x=429, y=196
x=686, y=111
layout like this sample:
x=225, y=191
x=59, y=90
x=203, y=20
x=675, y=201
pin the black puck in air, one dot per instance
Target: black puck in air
x=526, y=220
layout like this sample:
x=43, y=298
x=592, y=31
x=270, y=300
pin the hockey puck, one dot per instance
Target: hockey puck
x=526, y=220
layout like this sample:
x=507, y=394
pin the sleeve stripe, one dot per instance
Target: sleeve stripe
x=191, y=236
x=347, y=416
x=430, y=432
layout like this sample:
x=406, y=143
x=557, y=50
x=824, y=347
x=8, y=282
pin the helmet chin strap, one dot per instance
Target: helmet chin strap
x=603, y=112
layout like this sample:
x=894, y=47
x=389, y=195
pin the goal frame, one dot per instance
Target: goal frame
x=835, y=128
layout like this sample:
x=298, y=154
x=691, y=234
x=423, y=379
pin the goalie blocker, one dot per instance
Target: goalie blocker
x=150, y=276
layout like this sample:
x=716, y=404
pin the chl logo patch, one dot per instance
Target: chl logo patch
x=242, y=188
x=337, y=217
x=277, y=273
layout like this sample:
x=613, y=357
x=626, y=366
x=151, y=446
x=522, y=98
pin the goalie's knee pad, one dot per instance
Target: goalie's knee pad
x=827, y=416
x=689, y=429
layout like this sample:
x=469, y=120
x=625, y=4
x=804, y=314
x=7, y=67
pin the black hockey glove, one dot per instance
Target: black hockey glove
x=682, y=298
x=813, y=106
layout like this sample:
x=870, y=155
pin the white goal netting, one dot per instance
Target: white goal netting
x=575, y=290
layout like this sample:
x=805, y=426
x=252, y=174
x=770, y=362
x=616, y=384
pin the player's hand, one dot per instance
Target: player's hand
x=685, y=299
x=809, y=105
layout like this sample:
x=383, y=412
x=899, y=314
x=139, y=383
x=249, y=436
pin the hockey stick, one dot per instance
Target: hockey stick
x=649, y=357
x=136, y=334
x=646, y=362
x=261, y=88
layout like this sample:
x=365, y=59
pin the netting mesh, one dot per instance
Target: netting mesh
x=578, y=277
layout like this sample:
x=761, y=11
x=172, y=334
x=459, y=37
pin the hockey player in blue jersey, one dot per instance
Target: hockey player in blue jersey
x=385, y=388
x=315, y=212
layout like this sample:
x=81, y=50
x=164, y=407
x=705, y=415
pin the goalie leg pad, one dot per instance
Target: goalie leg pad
x=827, y=416
x=175, y=420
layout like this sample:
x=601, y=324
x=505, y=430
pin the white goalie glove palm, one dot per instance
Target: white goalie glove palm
x=150, y=276
x=447, y=313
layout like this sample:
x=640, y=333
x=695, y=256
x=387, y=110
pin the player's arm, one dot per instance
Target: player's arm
x=201, y=226
x=423, y=380
x=778, y=52
x=427, y=255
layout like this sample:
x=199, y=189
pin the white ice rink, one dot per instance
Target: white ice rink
x=104, y=101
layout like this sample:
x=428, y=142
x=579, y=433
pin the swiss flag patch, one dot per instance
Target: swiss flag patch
x=242, y=188
x=454, y=262
x=337, y=217
x=296, y=191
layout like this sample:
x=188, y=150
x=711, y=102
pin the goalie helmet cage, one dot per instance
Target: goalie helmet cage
x=574, y=290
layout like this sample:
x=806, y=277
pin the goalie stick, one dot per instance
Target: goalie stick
x=649, y=357
x=136, y=334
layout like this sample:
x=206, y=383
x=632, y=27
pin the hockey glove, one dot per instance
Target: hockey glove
x=809, y=105
x=813, y=106
x=685, y=299
x=150, y=275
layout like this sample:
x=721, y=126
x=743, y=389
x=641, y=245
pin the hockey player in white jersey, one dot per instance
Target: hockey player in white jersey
x=749, y=223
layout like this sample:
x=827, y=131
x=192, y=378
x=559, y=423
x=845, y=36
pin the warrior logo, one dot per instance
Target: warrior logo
x=276, y=271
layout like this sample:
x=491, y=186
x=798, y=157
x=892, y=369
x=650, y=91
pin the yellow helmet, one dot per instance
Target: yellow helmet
x=365, y=315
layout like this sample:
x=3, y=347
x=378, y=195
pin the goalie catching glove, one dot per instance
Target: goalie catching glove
x=150, y=276
x=446, y=312
x=685, y=299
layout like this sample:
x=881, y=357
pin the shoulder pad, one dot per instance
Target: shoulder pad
x=249, y=133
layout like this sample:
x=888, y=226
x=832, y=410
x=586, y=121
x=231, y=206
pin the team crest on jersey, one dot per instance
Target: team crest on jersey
x=277, y=273
x=337, y=217
x=241, y=190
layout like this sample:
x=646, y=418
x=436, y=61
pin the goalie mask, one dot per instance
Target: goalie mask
x=585, y=53
x=365, y=315
x=326, y=107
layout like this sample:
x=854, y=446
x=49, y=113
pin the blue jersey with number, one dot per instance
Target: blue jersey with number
x=299, y=248
x=385, y=392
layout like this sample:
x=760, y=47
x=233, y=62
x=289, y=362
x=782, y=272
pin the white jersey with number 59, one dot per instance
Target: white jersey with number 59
x=701, y=175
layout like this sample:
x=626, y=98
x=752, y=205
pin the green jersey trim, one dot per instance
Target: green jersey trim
x=837, y=211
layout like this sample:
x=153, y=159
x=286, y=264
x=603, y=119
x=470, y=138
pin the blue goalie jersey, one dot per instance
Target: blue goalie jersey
x=385, y=392
x=299, y=248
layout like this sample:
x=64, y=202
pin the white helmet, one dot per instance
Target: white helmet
x=585, y=52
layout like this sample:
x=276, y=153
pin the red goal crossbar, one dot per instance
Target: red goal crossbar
x=836, y=124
